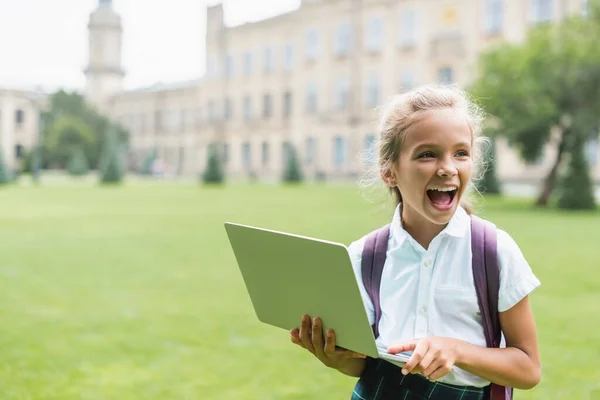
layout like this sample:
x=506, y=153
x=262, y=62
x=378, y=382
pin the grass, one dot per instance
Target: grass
x=133, y=293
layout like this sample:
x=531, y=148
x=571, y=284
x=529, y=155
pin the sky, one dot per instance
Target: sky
x=45, y=42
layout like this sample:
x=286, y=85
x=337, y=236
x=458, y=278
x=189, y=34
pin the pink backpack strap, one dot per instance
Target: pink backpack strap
x=487, y=285
x=372, y=262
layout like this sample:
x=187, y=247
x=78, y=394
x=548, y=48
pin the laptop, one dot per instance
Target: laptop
x=288, y=275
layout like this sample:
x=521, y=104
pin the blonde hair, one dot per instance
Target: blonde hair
x=406, y=109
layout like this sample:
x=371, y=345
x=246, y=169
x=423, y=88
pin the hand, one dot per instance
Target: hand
x=433, y=357
x=310, y=337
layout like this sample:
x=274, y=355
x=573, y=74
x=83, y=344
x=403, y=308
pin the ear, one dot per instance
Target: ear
x=388, y=176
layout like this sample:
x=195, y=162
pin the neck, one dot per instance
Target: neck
x=419, y=227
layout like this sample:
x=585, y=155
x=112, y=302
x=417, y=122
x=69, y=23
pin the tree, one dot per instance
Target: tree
x=77, y=164
x=73, y=106
x=111, y=162
x=69, y=135
x=5, y=175
x=576, y=187
x=292, y=172
x=550, y=83
x=213, y=174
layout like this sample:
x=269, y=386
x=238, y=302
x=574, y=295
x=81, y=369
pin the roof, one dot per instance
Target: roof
x=165, y=87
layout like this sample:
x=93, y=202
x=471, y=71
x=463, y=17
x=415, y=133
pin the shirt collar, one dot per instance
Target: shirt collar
x=457, y=226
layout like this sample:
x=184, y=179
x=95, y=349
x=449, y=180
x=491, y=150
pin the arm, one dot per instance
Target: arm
x=353, y=367
x=517, y=365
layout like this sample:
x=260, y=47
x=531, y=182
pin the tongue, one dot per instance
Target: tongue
x=439, y=198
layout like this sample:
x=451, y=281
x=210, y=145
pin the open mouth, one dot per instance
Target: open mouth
x=442, y=199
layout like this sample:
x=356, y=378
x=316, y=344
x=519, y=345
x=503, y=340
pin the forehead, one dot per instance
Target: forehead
x=445, y=127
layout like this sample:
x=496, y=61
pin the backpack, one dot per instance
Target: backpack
x=485, y=273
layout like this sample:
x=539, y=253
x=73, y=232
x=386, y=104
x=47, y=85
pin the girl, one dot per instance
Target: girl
x=430, y=146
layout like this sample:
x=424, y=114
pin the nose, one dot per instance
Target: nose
x=447, y=168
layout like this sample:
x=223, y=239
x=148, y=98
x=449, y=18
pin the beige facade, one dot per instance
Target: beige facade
x=313, y=77
x=19, y=123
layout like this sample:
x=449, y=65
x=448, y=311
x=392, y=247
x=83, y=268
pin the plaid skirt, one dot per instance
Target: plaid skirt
x=384, y=381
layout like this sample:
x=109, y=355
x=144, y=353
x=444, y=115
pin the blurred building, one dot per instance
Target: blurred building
x=311, y=79
x=19, y=123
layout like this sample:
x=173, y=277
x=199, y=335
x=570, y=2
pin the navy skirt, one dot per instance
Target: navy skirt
x=384, y=381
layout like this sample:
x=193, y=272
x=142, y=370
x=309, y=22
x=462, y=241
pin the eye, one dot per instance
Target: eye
x=427, y=154
x=462, y=153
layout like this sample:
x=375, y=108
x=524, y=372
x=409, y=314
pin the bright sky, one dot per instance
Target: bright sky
x=45, y=42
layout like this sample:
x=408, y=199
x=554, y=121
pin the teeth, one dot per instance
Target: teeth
x=445, y=189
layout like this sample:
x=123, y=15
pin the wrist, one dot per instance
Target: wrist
x=461, y=349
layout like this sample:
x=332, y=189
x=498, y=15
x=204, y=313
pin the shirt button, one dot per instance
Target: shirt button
x=427, y=262
x=424, y=310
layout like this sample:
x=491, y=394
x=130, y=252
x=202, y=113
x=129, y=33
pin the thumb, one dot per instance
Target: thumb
x=402, y=347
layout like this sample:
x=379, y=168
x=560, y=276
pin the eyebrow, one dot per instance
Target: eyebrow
x=435, y=145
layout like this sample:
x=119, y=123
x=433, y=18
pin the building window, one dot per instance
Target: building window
x=370, y=150
x=407, y=32
x=229, y=66
x=19, y=117
x=445, y=75
x=247, y=107
x=541, y=10
x=373, y=91
x=339, y=146
x=228, y=109
x=212, y=112
x=494, y=15
x=407, y=80
x=265, y=154
x=225, y=153
x=312, y=44
x=267, y=106
x=246, y=155
x=342, y=88
x=374, y=37
x=310, y=150
x=287, y=104
x=268, y=60
x=288, y=56
x=285, y=152
x=311, y=97
x=248, y=64
x=343, y=39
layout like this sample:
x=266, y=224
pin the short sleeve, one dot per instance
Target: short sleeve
x=517, y=280
x=355, y=251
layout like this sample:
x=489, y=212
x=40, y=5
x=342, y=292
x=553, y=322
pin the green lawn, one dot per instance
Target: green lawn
x=133, y=292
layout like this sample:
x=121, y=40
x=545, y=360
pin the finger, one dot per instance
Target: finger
x=440, y=372
x=330, y=343
x=317, y=337
x=429, y=363
x=295, y=337
x=305, y=334
x=432, y=367
x=402, y=347
x=418, y=353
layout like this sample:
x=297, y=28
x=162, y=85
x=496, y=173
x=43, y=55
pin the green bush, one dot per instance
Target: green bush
x=213, y=174
x=5, y=175
x=292, y=172
x=111, y=164
x=576, y=189
x=78, y=164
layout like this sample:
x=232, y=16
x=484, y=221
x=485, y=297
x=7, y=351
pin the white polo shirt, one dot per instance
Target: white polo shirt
x=432, y=292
